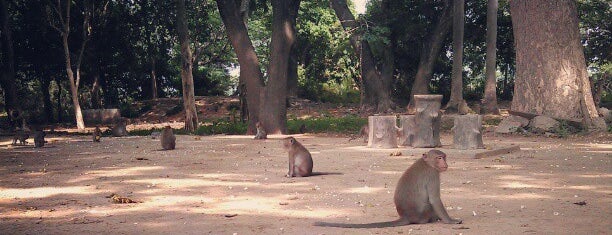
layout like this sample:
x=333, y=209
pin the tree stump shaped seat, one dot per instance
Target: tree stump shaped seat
x=468, y=132
x=382, y=132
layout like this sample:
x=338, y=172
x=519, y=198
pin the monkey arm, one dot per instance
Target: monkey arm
x=434, y=198
x=291, y=165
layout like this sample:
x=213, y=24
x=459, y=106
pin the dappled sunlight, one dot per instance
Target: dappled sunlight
x=596, y=146
x=258, y=205
x=516, y=184
x=183, y=183
x=364, y=190
x=131, y=171
x=389, y=172
x=516, y=196
x=595, y=176
x=41, y=192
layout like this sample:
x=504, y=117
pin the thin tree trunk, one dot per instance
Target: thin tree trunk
x=7, y=76
x=191, y=116
x=456, y=102
x=376, y=93
x=551, y=74
x=153, y=79
x=250, y=74
x=44, y=89
x=58, y=95
x=489, y=103
x=429, y=52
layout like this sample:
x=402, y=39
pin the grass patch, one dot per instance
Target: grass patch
x=346, y=125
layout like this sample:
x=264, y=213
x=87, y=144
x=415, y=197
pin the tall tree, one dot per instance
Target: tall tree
x=62, y=25
x=551, y=74
x=191, y=116
x=376, y=87
x=429, y=52
x=456, y=102
x=489, y=102
x=249, y=63
x=7, y=76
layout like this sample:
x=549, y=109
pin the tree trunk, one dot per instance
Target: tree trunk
x=551, y=73
x=58, y=95
x=467, y=132
x=429, y=53
x=427, y=117
x=250, y=73
x=44, y=89
x=191, y=116
x=7, y=76
x=456, y=102
x=383, y=132
x=489, y=103
x=74, y=93
x=273, y=112
x=153, y=80
x=376, y=88
x=292, y=74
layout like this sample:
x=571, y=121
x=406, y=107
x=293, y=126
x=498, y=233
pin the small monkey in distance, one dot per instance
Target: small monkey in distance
x=261, y=132
x=97, y=134
x=417, y=195
x=168, y=140
x=21, y=136
x=300, y=160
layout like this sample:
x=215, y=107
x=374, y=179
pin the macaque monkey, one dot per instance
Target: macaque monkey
x=261, y=132
x=365, y=133
x=39, y=138
x=22, y=136
x=300, y=161
x=97, y=134
x=168, y=140
x=303, y=129
x=417, y=195
x=119, y=129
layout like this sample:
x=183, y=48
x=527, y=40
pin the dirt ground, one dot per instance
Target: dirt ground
x=236, y=185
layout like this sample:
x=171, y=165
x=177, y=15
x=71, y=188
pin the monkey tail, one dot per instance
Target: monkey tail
x=395, y=223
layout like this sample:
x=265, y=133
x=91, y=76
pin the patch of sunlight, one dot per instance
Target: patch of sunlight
x=44, y=191
x=252, y=205
x=597, y=146
x=169, y=200
x=596, y=176
x=224, y=175
x=389, y=172
x=363, y=190
x=116, y=171
x=505, y=167
x=515, y=196
x=177, y=183
x=514, y=177
x=599, y=151
x=516, y=184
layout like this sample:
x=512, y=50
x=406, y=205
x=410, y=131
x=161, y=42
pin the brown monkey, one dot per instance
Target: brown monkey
x=22, y=136
x=365, y=133
x=417, y=195
x=303, y=129
x=168, y=140
x=119, y=129
x=300, y=161
x=39, y=138
x=97, y=134
x=261, y=132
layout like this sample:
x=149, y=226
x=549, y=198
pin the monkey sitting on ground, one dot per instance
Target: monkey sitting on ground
x=22, y=136
x=365, y=133
x=168, y=140
x=119, y=129
x=39, y=138
x=300, y=160
x=417, y=195
x=97, y=134
x=261, y=132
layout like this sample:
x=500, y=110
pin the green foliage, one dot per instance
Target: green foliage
x=347, y=125
x=221, y=126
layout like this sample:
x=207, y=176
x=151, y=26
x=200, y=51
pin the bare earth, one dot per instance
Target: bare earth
x=236, y=185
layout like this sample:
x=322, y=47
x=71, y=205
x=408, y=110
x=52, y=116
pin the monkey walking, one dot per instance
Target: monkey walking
x=39, y=139
x=168, y=140
x=417, y=195
x=365, y=133
x=261, y=132
x=300, y=160
x=21, y=136
x=97, y=134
